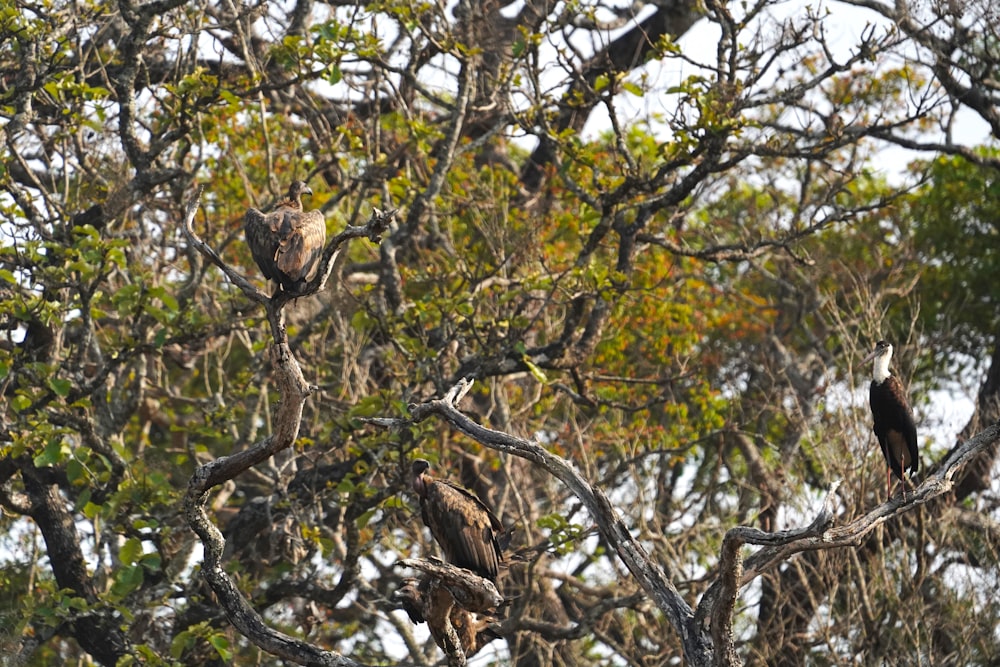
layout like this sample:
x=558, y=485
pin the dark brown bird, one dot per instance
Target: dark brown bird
x=462, y=525
x=287, y=242
x=894, y=427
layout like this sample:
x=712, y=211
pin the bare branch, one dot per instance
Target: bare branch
x=471, y=591
x=720, y=599
x=294, y=391
x=649, y=574
x=733, y=574
x=240, y=281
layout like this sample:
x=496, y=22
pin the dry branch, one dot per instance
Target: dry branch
x=649, y=574
x=294, y=391
x=734, y=573
x=714, y=613
x=458, y=606
x=471, y=591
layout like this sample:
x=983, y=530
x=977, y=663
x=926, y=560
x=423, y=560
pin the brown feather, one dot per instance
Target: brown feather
x=286, y=243
x=301, y=240
x=462, y=525
x=894, y=426
x=263, y=242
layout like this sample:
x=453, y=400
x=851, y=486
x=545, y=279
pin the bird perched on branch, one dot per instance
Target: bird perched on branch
x=287, y=242
x=894, y=427
x=465, y=528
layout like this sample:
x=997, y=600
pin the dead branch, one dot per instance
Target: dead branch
x=458, y=606
x=294, y=391
x=649, y=574
x=734, y=573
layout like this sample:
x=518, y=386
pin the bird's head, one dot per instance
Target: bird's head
x=881, y=354
x=882, y=349
x=298, y=188
x=419, y=468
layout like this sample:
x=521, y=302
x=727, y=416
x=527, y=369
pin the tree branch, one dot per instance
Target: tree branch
x=294, y=391
x=733, y=573
x=377, y=224
x=649, y=574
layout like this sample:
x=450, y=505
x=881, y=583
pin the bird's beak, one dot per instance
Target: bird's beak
x=307, y=191
x=870, y=356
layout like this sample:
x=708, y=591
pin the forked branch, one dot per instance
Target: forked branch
x=294, y=391
x=377, y=224
x=649, y=574
x=734, y=572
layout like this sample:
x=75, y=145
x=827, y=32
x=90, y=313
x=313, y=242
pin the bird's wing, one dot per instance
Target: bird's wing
x=494, y=521
x=909, y=434
x=894, y=426
x=302, y=237
x=463, y=527
x=262, y=240
x=904, y=418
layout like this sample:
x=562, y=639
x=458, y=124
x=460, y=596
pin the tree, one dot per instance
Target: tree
x=653, y=327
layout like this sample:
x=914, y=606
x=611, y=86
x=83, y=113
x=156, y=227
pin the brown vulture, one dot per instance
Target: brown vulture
x=462, y=525
x=894, y=427
x=287, y=242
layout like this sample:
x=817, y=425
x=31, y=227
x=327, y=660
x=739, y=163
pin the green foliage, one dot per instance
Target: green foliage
x=674, y=304
x=562, y=534
x=202, y=632
x=953, y=220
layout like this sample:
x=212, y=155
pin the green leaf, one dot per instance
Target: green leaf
x=537, y=372
x=369, y=406
x=117, y=257
x=74, y=470
x=221, y=646
x=90, y=510
x=55, y=452
x=60, y=386
x=633, y=88
x=169, y=300
x=127, y=580
x=20, y=403
x=130, y=551
x=334, y=74
x=181, y=643
x=365, y=517
x=395, y=502
x=151, y=561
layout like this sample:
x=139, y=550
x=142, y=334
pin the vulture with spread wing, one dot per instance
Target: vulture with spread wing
x=462, y=525
x=287, y=242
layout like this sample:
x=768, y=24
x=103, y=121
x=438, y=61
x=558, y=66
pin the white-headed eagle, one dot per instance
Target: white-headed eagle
x=287, y=242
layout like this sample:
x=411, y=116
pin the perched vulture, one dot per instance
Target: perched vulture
x=287, y=242
x=462, y=525
x=894, y=427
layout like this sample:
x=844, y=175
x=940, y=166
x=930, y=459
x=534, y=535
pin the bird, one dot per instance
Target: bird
x=894, y=426
x=467, y=531
x=287, y=242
